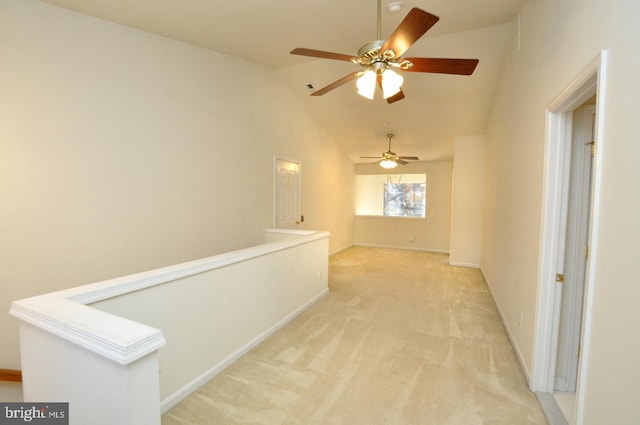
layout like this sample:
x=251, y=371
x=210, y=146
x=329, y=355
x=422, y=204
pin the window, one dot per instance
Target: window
x=404, y=199
x=394, y=195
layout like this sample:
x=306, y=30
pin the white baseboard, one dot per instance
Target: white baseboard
x=409, y=248
x=463, y=264
x=514, y=343
x=339, y=250
x=199, y=381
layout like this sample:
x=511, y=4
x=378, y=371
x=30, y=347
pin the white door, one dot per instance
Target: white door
x=287, y=194
x=576, y=249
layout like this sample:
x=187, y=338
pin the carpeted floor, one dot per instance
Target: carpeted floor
x=402, y=338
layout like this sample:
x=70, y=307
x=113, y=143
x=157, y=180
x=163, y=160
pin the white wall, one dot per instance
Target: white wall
x=122, y=151
x=558, y=39
x=103, y=353
x=430, y=233
x=223, y=312
x=467, y=201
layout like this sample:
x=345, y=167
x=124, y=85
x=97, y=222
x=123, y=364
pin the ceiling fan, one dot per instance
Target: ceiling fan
x=380, y=58
x=390, y=159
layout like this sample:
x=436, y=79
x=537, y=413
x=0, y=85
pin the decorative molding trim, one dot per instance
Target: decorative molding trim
x=121, y=340
x=68, y=314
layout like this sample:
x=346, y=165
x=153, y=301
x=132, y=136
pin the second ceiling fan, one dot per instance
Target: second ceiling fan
x=380, y=59
x=389, y=159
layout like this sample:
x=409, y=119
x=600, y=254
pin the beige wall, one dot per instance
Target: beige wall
x=111, y=140
x=558, y=39
x=429, y=234
x=122, y=151
x=467, y=201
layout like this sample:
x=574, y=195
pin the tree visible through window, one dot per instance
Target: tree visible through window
x=391, y=195
x=404, y=199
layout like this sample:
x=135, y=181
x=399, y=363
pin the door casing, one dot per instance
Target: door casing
x=287, y=187
x=558, y=137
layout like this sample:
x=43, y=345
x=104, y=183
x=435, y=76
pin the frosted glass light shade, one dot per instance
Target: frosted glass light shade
x=391, y=83
x=387, y=163
x=367, y=84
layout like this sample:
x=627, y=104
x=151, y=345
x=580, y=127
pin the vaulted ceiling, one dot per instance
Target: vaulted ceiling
x=437, y=107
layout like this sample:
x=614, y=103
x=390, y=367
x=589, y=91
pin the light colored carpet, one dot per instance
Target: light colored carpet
x=402, y=338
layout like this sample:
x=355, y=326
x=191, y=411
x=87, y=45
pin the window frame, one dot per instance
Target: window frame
x=370, y=194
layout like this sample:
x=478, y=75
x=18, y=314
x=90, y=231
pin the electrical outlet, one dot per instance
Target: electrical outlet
x=412, y=238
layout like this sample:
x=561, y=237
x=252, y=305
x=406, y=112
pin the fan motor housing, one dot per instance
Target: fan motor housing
x=370, y=52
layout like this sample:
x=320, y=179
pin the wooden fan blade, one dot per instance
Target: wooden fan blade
x=336, y=84
x=443, y=66
x=412, y=27
x=396, y=97
x=411, y=158
x=322, y=54
x=400, y=161
x=370, y=157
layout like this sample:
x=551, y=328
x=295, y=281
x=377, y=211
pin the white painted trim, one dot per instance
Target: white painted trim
x=291, y=232
x=462, y=264
x=339, y=250
x=551, y=409
x=68, y=314
x=121, y=340
x=199, y=381
x=579, y=90
x=551, y=229
x=505, y=324
x=594, y=237
x=408, y=248
x=389, y=217
x=92, y=293
x=571, y=261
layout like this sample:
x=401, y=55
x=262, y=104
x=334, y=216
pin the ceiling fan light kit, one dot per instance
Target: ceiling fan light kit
x=390, y=83
x=390, y=159
x=388, y=164
x=379, y=56
x=366, y=84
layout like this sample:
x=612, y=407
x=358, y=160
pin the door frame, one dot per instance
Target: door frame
x=277, y=158
x=557, y=144
x=572, y=255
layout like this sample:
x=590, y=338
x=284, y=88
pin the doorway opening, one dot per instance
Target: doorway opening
x=569, y=239
x=573, y=253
